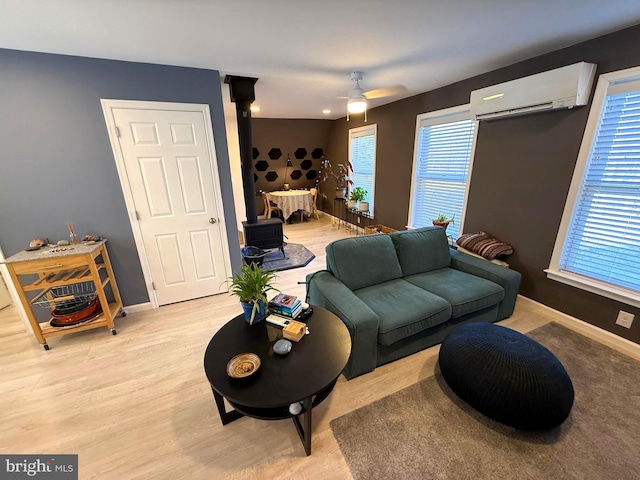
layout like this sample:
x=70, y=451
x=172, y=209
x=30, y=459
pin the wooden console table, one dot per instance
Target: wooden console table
x=52, y=275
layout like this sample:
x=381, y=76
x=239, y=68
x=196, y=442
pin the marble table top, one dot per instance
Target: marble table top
x=55, y=251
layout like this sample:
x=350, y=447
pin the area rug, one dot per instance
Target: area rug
x=426, y=432
x=296, y=255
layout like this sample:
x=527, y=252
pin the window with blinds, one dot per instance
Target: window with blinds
x=441, y=167
x=603, y=241
x=598, y=244
x=362, y=155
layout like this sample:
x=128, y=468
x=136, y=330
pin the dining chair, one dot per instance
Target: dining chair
x=270, y=206
x=314, y=207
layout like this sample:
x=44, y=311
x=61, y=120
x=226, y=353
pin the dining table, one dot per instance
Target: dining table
x=291, y=201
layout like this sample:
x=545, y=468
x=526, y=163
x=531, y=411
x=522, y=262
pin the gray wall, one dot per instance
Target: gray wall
x=521, y=173
x=56, y=163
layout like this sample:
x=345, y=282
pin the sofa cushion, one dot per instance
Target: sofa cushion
x=466, y=293
x=422, y=249
x=363, y=261
x=403, y=309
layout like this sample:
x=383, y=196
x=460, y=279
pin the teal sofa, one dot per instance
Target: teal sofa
x=404, y=292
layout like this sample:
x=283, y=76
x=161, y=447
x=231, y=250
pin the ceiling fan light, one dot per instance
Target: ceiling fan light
x=356, y=105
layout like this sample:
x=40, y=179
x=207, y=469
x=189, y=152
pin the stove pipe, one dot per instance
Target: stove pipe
x=243, y=94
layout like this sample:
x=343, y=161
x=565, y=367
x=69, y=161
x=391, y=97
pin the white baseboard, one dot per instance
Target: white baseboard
x=603, y=336
x=139, y=307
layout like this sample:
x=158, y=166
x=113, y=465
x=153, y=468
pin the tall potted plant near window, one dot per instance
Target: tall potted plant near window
x=342, y=177
x=251, y=285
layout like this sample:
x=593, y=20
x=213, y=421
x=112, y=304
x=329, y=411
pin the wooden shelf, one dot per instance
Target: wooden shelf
x=61, y=279
x=99, y=321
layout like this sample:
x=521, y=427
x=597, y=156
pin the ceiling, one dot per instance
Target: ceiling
x=304, y=51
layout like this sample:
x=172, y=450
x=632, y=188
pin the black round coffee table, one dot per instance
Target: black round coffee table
x=307, y=374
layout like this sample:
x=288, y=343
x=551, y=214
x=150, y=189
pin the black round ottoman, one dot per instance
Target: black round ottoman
x=506, y=376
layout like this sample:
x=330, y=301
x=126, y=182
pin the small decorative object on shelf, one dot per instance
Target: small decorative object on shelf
x=72, y=233
x=37, y=243
x=91, y=238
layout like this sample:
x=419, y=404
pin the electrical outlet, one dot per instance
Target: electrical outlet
x=625, y=319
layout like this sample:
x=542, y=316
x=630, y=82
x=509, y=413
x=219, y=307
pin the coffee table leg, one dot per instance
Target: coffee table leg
x=305, y=432
x=225, y=417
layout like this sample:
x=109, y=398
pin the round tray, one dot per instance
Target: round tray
x=76, y=317
x=76, y=323
x=67, y=307
x=243, y=365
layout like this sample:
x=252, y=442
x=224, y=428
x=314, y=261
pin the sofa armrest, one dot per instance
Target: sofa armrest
x=508, y=279
x=326, y=291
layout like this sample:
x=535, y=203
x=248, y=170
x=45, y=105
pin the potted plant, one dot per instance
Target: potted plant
x=251, y=285
x=443, y=220
x=342, y=177
x=358, y=194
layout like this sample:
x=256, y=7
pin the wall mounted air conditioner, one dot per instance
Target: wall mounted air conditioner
x=564, y=87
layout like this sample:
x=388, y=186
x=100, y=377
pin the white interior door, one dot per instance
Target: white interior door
x=170, y=169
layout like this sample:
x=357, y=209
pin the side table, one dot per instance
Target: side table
x=307, y=374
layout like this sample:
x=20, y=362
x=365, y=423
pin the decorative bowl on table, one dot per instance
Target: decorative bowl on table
x=243, y=365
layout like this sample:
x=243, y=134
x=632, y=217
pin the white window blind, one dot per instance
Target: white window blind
x=603, y=238
x=441, y=169
x=362, y=155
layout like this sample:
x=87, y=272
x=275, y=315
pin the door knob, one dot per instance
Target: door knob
x=212, y=220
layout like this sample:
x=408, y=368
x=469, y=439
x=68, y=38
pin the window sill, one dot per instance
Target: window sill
x=600, y=288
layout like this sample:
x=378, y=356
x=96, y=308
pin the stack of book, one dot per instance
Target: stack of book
x=285, y=305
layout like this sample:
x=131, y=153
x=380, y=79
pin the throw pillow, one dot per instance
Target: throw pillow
x=484, y=244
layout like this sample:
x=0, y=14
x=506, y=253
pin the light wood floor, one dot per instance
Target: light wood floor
x=138, y=405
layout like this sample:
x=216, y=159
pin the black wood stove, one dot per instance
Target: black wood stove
x=264, y=234
x=257, y=233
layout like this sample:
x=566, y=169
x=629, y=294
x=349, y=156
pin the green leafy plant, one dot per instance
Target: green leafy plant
x=251, y=285
x=358, y=194
x=442, y=218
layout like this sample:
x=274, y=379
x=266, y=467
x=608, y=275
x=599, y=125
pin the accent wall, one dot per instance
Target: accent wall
x=521, y=172
x=57, y=165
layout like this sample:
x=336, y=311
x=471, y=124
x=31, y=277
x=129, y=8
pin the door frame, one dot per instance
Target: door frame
x=107, y=108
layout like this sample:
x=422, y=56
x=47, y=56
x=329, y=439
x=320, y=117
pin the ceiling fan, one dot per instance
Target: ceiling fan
x=357, y=97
